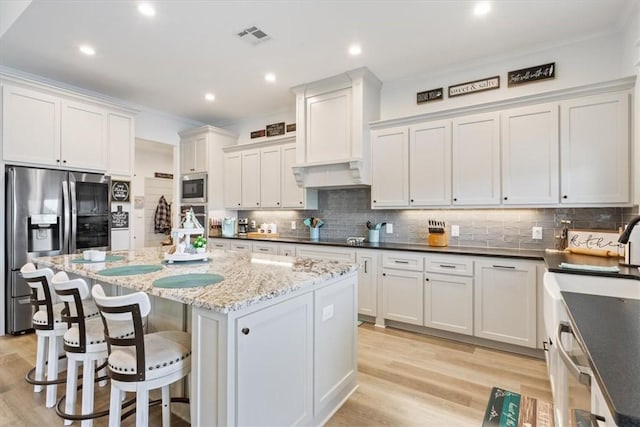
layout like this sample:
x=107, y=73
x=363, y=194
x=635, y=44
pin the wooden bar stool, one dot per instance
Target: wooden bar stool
x=142, y=362
x=49, y=327
x=85, y=344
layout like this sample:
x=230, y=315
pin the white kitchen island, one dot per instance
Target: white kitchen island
x=274, y=342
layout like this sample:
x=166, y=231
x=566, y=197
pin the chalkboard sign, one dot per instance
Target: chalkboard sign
x=258, y=133
x=531, y=74
x=275, y=129
x=429, y=95
x=291, y=127
x=120, y=219
x=120, y=191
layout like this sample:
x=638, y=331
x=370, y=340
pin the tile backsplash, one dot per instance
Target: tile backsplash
x=345, y=213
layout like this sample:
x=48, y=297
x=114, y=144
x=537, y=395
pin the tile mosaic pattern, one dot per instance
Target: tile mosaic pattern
x=346, y=212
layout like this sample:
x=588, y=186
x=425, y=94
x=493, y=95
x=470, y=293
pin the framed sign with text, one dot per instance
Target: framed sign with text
x=120, y=191
x=531, y=74
x=474, y=86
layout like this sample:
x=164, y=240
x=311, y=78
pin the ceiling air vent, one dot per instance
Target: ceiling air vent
x=253, y=35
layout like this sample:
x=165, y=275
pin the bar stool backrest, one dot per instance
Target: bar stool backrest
x=39, y=280
x=132, y=308
x=71, y=293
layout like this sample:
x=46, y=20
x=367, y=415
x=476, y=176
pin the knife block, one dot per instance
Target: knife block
x=438, y=239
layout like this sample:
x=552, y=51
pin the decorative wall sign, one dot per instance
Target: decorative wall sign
x=291, y=127
x=163, y=175
x=429, y=95
x=119, y=191
x=593, y=239
x=531, y=74
x=474, y=86
x=275, y=129
x=258, y=133
x=120, y=219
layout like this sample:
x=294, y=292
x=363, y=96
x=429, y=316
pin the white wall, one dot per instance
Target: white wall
x=588, y=61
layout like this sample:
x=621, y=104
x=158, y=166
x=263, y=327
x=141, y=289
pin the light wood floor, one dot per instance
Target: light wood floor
x=406, y=379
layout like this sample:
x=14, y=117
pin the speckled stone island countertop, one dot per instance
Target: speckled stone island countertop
x=248, y=277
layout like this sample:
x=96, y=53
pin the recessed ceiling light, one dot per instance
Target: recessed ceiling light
x=355, y=50
x=482, y=8
x=270, y=77
x=147, y=9
x=209, y=97
x=87, y=50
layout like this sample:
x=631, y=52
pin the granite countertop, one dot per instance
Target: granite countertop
x=553, y=261
x=608, y=328
x=412, y=247
x=248, y=277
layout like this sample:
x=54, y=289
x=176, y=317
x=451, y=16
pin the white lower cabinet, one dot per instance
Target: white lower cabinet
x=241, y=246
x=326, y=253
x=275, y=346
x=265, y=248
x=218, y=244
x=505, y=301
x=287, y=250
x=367, y=282
x=402, y=295
x=448, y=303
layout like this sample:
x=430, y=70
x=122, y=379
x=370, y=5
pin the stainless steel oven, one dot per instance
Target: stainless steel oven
x=193, y=188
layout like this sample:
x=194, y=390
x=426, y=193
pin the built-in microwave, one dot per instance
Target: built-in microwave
x=194, y=188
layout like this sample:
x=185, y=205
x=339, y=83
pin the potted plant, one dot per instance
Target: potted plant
x=200, y=244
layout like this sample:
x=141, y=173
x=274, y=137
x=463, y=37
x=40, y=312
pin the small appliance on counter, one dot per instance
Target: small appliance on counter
x=243, y=226
x=437, y=233
x=228, y=227
x=630, y=237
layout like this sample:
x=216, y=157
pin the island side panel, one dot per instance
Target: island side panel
x=336, y=351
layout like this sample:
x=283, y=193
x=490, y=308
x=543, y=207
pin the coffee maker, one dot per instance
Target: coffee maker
x=243, y=226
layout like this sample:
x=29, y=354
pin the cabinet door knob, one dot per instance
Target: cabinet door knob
x=278, y=203
x=384, y=274
x=245, y=331
x=374, y=201
x=58, y=161
x=411, y=200
x=64, y=161
x=455, y=199
x=300, y=202
x=505, y=197
x=426, y=279
x=257, y=203
x=565, y=197
x=238, y=204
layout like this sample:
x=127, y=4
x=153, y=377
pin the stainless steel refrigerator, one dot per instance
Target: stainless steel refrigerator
x=49, y=212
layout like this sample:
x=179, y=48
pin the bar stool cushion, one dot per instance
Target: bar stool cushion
x=165, y=352
x=40, y=316
x=94, y=329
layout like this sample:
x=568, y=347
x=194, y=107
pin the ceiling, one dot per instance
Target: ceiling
x=189, y=47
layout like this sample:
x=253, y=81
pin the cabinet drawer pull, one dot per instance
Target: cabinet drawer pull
x=240, y=247
x=365, y=266
x=263, y=249
x=504, y=266
x=447, y=266
x=246, y=331
x=401, y=262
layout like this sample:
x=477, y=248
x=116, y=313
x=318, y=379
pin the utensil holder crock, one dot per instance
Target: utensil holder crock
x=374, y=236
x=314, y=233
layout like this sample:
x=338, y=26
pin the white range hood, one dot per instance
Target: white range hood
x=332, y=142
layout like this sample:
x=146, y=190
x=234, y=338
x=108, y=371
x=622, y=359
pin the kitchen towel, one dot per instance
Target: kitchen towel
x=586, y=267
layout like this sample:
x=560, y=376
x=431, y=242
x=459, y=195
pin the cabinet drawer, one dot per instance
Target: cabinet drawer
x=244, y=247
x=403, y=261
x=458, y=265
x=332, y=254
x=218, y=244
x=287, y=250
x=265, y=248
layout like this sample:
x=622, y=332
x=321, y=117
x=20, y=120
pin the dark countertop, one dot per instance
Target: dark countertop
x=413, y=247
x=553, y=261
x=609, y=330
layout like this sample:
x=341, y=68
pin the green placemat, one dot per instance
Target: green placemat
x=108, y=258
x=129, y=270
x=187, y=281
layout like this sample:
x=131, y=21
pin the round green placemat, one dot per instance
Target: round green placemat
x=108, y=258
x=129, y=270
x=187, y=281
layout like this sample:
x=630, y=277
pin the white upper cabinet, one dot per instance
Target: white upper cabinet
x=83, y=140
x=430, y=164
x=595, y=149
x=72, y=132
x=233, y=180
x=476, y=160
x=251, y=179
x=270, y=177
x=194, y=154
x=329, y=135
x=292, y=195
x=23, y=142
x=530, y=155
x=390, y=168
x=120, y=129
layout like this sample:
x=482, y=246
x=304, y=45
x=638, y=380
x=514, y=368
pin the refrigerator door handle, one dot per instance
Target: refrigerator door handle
x=67, y=217
x=74, y=213
x=11, y=214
